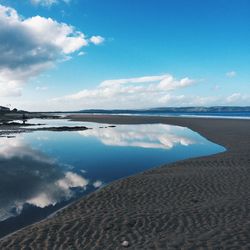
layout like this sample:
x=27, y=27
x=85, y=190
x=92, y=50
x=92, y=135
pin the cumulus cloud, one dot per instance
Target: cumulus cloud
x=48, y=3
x=234, y=97
x=237, y=98
x=97, y=40
x=231, y=74
x=32, y=45
x=130, y=92
x=81, y=53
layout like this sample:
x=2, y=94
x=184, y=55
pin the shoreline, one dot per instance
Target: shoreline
x=149, y=209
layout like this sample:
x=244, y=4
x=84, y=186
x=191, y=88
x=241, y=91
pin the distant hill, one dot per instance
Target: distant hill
x=215, y=109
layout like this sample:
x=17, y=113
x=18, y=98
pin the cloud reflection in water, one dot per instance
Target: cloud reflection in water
x=29, y=176
x=157, y=136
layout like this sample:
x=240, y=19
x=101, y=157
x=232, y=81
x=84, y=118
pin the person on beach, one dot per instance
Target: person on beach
x=24, y=118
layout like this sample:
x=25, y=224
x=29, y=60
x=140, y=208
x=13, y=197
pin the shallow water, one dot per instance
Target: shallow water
x=41, y=172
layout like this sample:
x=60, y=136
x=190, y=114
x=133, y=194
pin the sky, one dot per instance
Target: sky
x=112, y=54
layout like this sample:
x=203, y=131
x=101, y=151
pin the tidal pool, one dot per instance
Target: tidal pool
x=43, y=171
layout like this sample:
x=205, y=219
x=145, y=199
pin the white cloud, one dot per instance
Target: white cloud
x=129, y=92
x=31, y=46
x=96, y=40
x=231, y=74
x=63, y=186
x=234, y=97
x=72, y=180
x=97, y=184
x=81, y=53
x=142, y=136
x=143, y=79
x=238, y=99
x=48, y=3
x=144, y=92
x=42, y=200
x=29, y=176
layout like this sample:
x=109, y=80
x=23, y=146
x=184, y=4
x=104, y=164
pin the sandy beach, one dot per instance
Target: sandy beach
x=200, y=203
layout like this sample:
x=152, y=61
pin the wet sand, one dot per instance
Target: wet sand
x=200, y=203
x=11, y=124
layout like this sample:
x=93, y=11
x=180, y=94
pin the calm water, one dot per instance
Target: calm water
x=41, y=172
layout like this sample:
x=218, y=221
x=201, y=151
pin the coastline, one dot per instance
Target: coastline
x=201, y=202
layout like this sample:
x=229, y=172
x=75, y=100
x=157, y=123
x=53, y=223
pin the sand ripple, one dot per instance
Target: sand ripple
x=201, y=203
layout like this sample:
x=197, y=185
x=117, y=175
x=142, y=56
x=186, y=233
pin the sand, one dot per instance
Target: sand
x=201, y=203
x=9, y=126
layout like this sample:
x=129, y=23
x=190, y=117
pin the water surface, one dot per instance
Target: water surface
x=43, y=171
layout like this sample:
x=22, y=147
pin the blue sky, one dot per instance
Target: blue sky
x=191, y=53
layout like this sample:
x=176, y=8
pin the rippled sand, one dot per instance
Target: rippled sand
x=201, y=203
